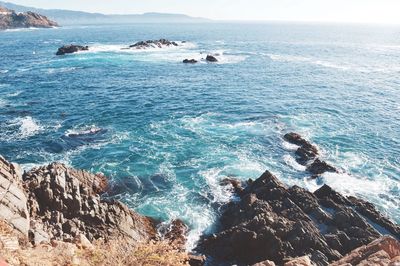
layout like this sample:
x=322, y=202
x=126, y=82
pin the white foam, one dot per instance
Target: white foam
x=290, y=161
x=213, y=178
x=292, y=58
x=289, y=146
x=61, y=70
x=29, y=126
x=21, y=29
x=3, y=102
x=4, y=71
x=14, y=94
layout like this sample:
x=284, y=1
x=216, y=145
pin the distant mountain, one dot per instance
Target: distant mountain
x=67, y=17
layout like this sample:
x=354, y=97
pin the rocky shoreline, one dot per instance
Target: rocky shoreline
x=267, y=223
x=9, y=19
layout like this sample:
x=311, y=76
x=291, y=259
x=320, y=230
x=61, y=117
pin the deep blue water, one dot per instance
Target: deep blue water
x=171, y=132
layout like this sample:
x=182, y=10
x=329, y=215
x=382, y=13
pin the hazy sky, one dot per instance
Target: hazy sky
x=381, y=11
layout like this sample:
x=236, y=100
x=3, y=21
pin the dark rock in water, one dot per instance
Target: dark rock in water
x=69, y=49
x=190, y=61
x=9, y=19
x=211, y=58
x=307, y=154
x=319, y=167
x=276, y=223
x=153, y=44
x=306, y=151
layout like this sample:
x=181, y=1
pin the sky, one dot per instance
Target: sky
x=364, y=11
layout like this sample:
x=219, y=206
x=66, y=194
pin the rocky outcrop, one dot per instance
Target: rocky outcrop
x=13, y=198
x=190, y=61
x=383, y=251
x=211, y=58
x=69, y=49
x=153, y=44
x=55, y=202
x=65, y=202
x=307, y=155
x=276, y=223
x=12, y=20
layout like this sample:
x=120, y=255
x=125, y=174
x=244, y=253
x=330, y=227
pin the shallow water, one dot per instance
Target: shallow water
x=171, y=132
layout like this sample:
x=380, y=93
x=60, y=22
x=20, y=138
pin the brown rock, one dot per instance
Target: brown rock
x=379, y=252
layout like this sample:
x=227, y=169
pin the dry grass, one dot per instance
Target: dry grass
x=123, y=253
x=115, y=252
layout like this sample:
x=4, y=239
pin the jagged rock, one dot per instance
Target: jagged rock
x=301, y=261
x=153, y=44
x=196, y=260
x=319, y=167
x=13, y=199
x=190, y=61
x=82, y=242
x=382, y=251
x=67, y=202
x=69, y=49
x=211, y=58
x=234, y=183
x=276, y=223
x=9, y=19
x=175, y=232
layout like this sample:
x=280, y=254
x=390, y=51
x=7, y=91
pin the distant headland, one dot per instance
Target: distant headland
x=68, y=17
x=10, y=19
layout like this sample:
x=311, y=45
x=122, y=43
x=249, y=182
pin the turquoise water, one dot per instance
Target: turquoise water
x=169, y=132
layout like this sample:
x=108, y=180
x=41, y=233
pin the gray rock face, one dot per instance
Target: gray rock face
x=59, y=203
x=13, y=199
x=67, y=202
x=11, y=20
x=276, y=223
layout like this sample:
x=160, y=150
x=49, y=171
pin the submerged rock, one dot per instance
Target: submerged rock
x=69, y=49
x=276, y=223
x=153, y=44
x=211, y=58
x=190, y=61
x=9, y=19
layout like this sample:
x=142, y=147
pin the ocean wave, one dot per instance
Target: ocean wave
x=61, y=70
x=302, y=59
x=21, y=29
x=4, y=71
x=14, y=94
x=213, y=177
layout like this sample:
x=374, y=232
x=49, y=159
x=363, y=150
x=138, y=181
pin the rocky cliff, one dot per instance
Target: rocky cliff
x=275, y=223
x=12, y=20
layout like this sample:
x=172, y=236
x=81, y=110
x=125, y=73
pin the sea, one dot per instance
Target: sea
x=167, y=133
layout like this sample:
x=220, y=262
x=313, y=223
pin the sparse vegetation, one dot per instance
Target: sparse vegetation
x=114, y=252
